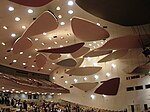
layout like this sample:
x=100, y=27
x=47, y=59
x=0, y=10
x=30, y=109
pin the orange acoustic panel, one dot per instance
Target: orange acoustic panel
x=113, y=56
x=96, y=52
x=21, y=44
x=67, y=62
x=54, y=56
x=40, y=60
x=85, y=86
x=66, y=49
x=126, y=12
x=126, y=42
x=44, y=23
x=88, y=31
x=32, y=3
x=80, y=52
x=84, y=71
x=109, y=87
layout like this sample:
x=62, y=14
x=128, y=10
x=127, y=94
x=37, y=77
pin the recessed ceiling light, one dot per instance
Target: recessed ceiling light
x=29, y=56
x=59, y=16
x=85, y=78
x=90, y=44
x=67, y=41
x=49, y=47
x=3, y=88
x=70, y=3
x=36, y=49
x=5, y=27
x=5, y=57
x=36, y=39
x=3, y=43
x=44, y=33
x=30, y=11
x=62, y=37
x=42, y=68
x=24, y=63
x=75, y=80
x=113, y=65
x=14, y=61
x=21, y=52
x=61, y=45
x=53, y=63
x=49, y=69
x=11, y=49
x=43, y=44
x=13, y=34
x=93, y=96
x=23, y=27
x=107, y=74
x=62, y=23
x=66, y=82
x=96, y=77
x=98, y=24
x=11, y=8
x=70, y=19
x=70, y=12
x=17, y=19
x=58, y=8
x=33, y=66
x=50, y=38
x=55, y=42
x=54, y=78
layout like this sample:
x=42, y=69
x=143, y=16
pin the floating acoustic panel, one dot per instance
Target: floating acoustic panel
x=32, y=3
x=44, y=23
x=54, y=56
x=97, y=52
x=87, y=31
x=40, y=60
x=113, y=56
x=21, y=44
x=109, y=87
x=127, y=42
x=145, y=69
x=84, y=71
x=79, y=61
x=66, y=49
x=85, y=86
x=67, y=62
x=80, y=52
x=125, y=12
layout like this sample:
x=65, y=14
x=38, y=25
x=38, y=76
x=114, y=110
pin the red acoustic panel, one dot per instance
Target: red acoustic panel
x=40, y=60
x=87, y=31
x=54, y=56
x=113, y=56
x=109, y=87
x=32, y=3
x=97, y=52
x=67, y=62
x=66, y=49
x=44, y=23
x=21, y=44
x=126, y=12
x=126, y=42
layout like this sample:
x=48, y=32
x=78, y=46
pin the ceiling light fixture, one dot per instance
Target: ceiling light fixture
x=70, y=12
x=29, y=56
x=58, y=8
x=5, y=27
x=14, y=61
x=21, y=52
x=62, y=23
x=98, y=24
x=66, y=82
x=70, y=3
x=30, y=11
x=44, y=33
x=3, y=43
x=75, y=80
x=17, y=19
x=13, y=35
x=36, y=39
x=85, y=78
x=59, y=16
x=96, y=77
x=108, y=74
x=23, y=27
x=24, y=63
x=11, y=8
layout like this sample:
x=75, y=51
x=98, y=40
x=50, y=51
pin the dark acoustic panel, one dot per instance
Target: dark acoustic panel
x=67, y=62
x=32, y=3
x=123, y=12
x=141, y=70
x=66, y=49
x=109, y=87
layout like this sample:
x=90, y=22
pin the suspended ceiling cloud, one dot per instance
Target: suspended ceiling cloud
x=66, y=49
x=21, y=44
x=109, y=87
x=127, y=42
x=97, y=52
x=40, y=60
x=87, y=31
x=67, y=62
x=84, y=71
x=85, y=86
x=115, y=55
x=32, y=3
x=127, y=12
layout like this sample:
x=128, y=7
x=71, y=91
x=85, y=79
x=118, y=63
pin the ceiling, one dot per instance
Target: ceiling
x=63, y=35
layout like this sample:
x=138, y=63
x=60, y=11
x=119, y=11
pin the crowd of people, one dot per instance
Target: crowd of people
x=14, y=105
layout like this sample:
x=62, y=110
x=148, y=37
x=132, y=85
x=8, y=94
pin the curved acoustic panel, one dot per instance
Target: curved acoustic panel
x=127, y=42
x=97, y=52
x=54, y=56
x=40, y=60
x=145, y=69
x=66, y=49
x=67, y=62
x=84, y=71
x=127, y=12
x=80, y=52
x=44, y=23
x=21, y=44
x=87, y=31
x=85, y=86
x=115, y=55
x=109, y=87
x=32, y=3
